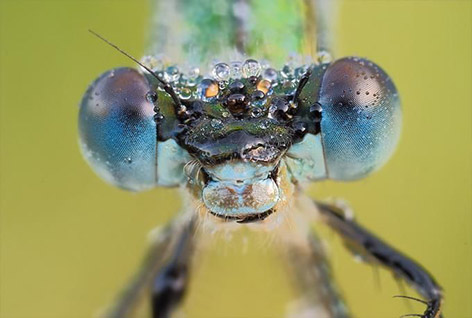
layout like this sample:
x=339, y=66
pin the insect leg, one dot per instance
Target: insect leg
x=381, y=252
x=314, y=278
x=172, y=279
x=163, y=272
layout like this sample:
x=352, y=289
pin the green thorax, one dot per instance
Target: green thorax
x=202, y=32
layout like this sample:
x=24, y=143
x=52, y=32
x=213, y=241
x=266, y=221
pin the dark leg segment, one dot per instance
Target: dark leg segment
x=171, y=280
x=163, y=273
x=375, y=248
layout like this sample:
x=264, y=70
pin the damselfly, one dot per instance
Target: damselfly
x=239, y=104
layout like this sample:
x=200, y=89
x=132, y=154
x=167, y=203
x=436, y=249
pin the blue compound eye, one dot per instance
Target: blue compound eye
x=117, y=130
x=361, y=118
x=355, y=108
x=118, y=135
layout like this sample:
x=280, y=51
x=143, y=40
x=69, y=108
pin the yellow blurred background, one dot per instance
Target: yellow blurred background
x=68, y=241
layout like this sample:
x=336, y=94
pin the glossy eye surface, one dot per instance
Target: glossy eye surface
x=117, y=130
x=360, y=120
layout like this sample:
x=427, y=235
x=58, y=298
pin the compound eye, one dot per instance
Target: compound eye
x=361, y=118
x=117, y=129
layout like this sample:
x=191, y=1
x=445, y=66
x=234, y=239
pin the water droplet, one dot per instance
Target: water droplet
x=128, y=160
x=287, y=71
x=222, y=84
x=264, y=124
x=288, y=86
x=160, y=74
x=171, y=74
x=191, y=82
x=236, y=69
x=323, y=57
x=221, y=72
x=216, y=124
x=151, y=97
x=153, y=63
x=263, y=86
x=270, y=74
x=251, y=68
x=158, y=118
x=256, y=112
x=147, y=61
x=301, y=71
x=257, y=95
x=207, y=89
x=190, y=76
x=193, y=73
x=185, y=93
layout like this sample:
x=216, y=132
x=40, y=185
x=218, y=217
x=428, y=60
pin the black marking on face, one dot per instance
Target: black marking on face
x=256, y=140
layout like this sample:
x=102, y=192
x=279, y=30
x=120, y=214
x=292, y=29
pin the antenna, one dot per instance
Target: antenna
x=167, y=88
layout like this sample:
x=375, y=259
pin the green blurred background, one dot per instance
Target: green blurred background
x=69, y=241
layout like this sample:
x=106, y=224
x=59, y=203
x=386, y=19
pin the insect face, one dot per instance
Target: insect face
x=237, y=141
x=239, y=138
